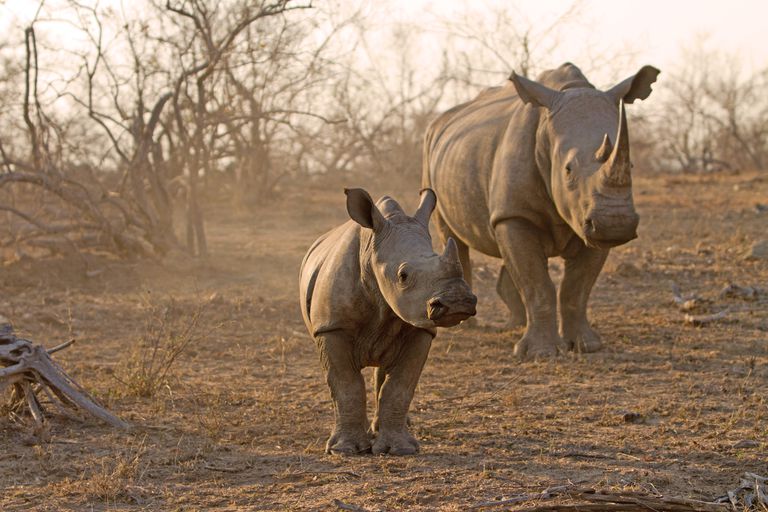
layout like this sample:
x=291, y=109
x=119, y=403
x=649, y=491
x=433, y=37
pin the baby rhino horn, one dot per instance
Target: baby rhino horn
x=451, y=252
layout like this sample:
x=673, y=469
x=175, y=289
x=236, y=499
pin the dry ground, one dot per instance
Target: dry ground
x=241, y=422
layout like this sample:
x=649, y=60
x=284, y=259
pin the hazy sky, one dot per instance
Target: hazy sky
x=647, y=32
x=654, y=30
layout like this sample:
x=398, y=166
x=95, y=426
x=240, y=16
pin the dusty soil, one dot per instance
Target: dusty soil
x=240, y=421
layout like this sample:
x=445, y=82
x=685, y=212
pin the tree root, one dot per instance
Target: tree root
x=28, y=369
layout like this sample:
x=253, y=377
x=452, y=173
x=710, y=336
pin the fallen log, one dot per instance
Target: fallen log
x=29, y=371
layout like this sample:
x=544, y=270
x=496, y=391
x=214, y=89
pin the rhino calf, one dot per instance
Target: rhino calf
x=372, y=293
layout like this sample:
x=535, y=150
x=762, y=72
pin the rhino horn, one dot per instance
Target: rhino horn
x=604, y=151
x=616, y=170
x=451, y=252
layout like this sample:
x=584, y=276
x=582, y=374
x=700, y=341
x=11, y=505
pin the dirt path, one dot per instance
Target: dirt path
x=243, y=418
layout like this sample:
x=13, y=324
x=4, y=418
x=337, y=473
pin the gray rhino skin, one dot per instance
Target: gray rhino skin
x=532, y=170
x=372, y=293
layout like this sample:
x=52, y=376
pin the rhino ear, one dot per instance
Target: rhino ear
x=426, y=206
x=362, y=210
x=534, y=93
x=636, y=87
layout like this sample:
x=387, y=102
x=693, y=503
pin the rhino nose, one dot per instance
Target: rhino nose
x=460, y=307
x=435, y=309
x=471, y=302
x=611, y=230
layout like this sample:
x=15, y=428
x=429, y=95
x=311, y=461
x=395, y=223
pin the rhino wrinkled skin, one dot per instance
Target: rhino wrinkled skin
x=531, y=170
x=372, y=293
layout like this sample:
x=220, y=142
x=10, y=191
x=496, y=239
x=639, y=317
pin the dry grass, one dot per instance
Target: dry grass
x=664, y=407
x=169, y=331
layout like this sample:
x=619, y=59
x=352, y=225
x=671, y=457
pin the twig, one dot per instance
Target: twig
x=345, y=506
x=64, y=345
x=331, y=472
x=223, y=469
x=544, y=495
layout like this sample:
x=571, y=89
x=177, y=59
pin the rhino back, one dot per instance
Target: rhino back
x=460, y=148
x=330, y=291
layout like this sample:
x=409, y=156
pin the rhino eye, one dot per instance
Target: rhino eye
x=568, y=168
x=402, y=275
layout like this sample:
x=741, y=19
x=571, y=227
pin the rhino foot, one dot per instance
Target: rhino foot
x=533, y=346
x=374, y=428
x=584, y=339
x=396, y=443
x=343, y=442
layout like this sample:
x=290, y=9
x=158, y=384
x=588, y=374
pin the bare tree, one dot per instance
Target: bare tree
x=486, y=48
x=712, y=115
x=129, y=72
x=214, y=29
x=386, y=99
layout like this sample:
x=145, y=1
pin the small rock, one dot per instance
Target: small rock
x=758, y=251
x=703, y=249
x=626, y=269
x=632, y=417
x=746, y=443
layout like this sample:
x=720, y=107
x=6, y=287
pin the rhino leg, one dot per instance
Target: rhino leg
x=347, y=387
x=508, y=292
x=396, y=394
x=524, y=258
x=378, y=380
x=579, y=277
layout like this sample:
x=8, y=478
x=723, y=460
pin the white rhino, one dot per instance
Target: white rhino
x=532, y=170
x=372, y=293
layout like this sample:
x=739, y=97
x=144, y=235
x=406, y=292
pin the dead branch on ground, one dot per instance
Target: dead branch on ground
x=31, y=372
x=590, y=500
x=751, y=495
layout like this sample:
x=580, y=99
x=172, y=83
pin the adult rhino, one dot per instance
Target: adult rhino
x=532, y=170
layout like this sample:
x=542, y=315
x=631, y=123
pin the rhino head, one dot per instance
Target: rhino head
x=582, y=150
x=423, y=288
